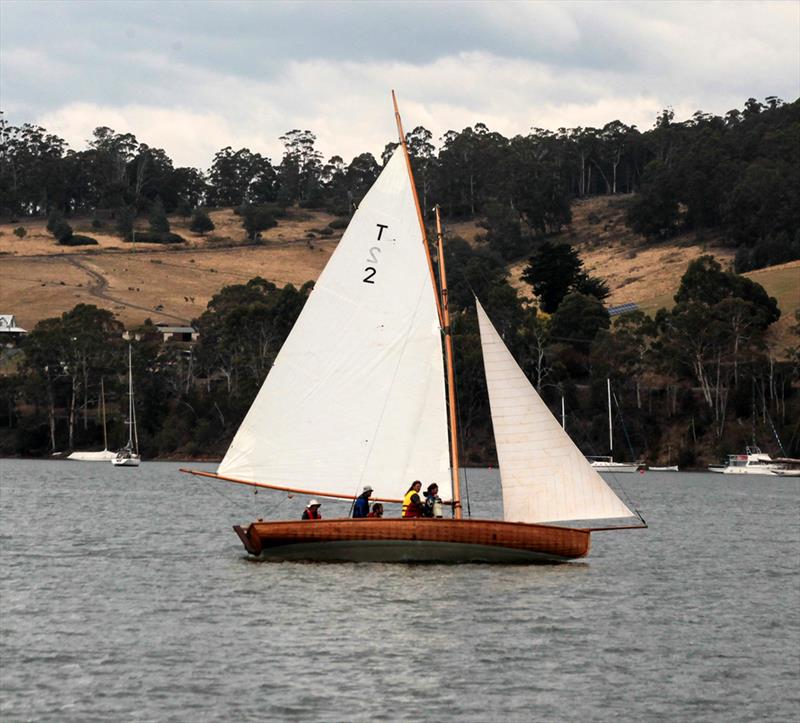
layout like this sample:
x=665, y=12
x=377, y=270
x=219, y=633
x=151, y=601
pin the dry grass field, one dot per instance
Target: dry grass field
x=39, y=278
x=163, y=283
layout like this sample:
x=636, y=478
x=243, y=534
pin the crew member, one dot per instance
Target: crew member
x=412, y=505
x=361, y=506
x=311, y=512
x=433, y=503
x=377, y=510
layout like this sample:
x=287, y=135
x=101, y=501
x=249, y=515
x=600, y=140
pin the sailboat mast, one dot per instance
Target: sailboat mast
x=451, y=377
x=416, y=204
x=130, y=399
x=103, y=409
x=610, y=427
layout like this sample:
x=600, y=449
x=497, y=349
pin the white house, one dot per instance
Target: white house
x=170, y=332
x=9, y=331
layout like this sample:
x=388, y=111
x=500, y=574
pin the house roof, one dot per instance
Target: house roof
x=8, y=324
x=176, y=329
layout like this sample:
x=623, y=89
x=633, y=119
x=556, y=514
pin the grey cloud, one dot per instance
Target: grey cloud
x=266, y=67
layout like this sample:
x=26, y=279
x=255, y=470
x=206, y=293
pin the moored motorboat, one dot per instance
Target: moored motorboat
x=791, y=467
x=754, y=461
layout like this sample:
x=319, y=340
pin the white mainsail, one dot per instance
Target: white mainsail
x=544, y=476
x=356, y=395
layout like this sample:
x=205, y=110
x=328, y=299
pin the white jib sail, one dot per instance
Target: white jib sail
x=356, y=395
x=544, y=476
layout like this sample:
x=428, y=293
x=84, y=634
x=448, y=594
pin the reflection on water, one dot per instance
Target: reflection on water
x=126, y=595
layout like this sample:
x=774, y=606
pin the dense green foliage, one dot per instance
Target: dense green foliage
x=554, y=271
x=201, y=223
x=738, y=175
x=697, y=380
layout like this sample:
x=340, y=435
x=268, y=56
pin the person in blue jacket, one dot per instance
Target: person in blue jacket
x=361, y=506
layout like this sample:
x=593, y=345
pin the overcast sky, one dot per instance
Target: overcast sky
x=193, y=77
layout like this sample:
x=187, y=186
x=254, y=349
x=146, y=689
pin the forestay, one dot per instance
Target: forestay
x=544, y=476
x=356, y=395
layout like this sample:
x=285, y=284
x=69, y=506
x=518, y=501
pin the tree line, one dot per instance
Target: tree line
x=737, y=175
x=691, y=384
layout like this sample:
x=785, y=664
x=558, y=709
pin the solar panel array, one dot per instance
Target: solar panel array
x=622, y=309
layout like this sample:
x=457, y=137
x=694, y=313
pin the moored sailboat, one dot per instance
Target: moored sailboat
x=606, y=463
x=129, y=456
x=358, y=395
x=106, y=454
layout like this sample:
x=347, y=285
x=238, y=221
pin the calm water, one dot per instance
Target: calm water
x=127, y=596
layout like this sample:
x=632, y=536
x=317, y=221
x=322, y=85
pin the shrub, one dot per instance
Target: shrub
x=53, y=219
x=158, y=217
x=97, y=223
x=327, y=231
x=20, y=232
x=125, y=218
x=157, y=237
x=184, y=208
x=62, y=231
x=75, y=239
x=201, y=223
x=257, y=218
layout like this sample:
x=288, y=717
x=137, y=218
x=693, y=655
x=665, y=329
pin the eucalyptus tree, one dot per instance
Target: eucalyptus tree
x=300, y=167
x=31, y=175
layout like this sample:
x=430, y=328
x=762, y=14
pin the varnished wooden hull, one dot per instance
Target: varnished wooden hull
x=416, y=540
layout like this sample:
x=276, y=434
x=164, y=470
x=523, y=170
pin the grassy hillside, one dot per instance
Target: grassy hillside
x=169, y=283
x=41, y=278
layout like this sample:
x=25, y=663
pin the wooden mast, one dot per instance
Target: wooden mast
x=451, y=383
x=419, y=209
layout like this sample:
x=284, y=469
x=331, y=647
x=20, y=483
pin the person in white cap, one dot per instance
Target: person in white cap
x=361, y=506
x=311, y=512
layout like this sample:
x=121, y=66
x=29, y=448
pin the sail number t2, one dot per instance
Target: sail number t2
x=372, y=259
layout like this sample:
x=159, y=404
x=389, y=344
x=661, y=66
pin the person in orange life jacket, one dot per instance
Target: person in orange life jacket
x=311, y=512
x=361, y=506
x=412, y=505
x=433, y=503
x=377, y=510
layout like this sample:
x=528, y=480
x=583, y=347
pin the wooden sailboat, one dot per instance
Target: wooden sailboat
x=129, y=456
x=105, y=455
x=357, y=396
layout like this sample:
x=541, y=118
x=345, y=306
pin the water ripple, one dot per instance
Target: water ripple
x=135, y=602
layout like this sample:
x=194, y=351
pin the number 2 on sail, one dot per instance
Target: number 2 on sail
x=370, y=271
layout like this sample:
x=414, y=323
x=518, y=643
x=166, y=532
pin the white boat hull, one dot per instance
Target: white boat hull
x=132, y=461
x=763, y=471
x=614, y=467
x=104, y=456
x=672, y=468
